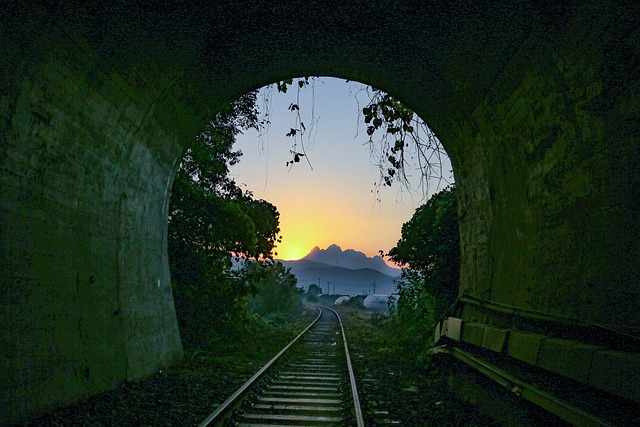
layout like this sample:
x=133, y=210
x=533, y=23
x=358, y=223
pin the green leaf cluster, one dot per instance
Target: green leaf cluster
x=429, y=252
x=276, y=289
x=396, y=120
x=212, y=220
x=430, y=246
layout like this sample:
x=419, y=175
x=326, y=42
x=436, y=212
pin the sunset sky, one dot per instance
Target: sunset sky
x=336, y=201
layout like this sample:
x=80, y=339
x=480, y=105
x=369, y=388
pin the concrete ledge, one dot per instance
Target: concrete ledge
x=568, y=358
x=611, y=371
x=616, y=372
x=494, y=338
x=472, y=333
x=451, y=328
x=524, y=346
x=489, y=337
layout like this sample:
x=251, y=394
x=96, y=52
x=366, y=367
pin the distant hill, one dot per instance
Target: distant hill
x=344, y=272
x=351, y=259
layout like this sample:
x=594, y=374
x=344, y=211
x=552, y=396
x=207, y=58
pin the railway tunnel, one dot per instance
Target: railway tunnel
x=536, y=103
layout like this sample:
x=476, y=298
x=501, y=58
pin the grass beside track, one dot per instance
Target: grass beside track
x=394, y=388
x=183, y=394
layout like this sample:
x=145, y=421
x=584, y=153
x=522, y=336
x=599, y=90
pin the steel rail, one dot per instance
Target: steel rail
x=352, y=378
x=551, y=403
x=235, y=397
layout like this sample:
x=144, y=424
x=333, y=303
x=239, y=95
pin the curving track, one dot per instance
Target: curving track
x=309, y=383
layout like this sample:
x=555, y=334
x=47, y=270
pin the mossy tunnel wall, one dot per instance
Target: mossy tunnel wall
x=537, y=105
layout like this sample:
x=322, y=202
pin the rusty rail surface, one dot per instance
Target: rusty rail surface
x=308, y=388
x=235, y=397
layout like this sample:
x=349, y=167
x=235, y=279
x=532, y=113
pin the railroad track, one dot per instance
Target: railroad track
x=308, y=383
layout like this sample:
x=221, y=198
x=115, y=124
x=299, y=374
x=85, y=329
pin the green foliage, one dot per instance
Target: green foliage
x=206, y=163
x=315, y=289
x=389, y=114
x=430, y=247
x=404, y=139
x=429, y=253
x=411, y=321
x=276, y=289
x=212, y=306
x=356, y=303
x=407, y=329
x=298, y=131
x=266, y=228
x=210, y=220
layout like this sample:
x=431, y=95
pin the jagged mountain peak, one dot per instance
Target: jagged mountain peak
x=349, y=258
x=315, y=249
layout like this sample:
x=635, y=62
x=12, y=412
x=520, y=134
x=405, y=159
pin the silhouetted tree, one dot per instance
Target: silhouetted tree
x=210, y=220
x=315, y=289
x=429, y=255
x=276, y=288
x=430, y=249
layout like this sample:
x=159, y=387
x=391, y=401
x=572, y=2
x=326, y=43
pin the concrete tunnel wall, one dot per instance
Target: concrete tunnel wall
x=536, y=104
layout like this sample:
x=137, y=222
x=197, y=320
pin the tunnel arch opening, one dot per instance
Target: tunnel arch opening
x=332, y=219
x=374, y=149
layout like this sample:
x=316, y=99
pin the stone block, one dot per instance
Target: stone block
x=524, y=346
x=494, y=338
x=451, y=328
x=568, y=358
x=616, y=372
x=472, y=333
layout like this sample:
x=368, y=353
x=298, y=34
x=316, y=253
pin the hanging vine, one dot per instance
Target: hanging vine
x=299, y=130
x=399, y=141
x=405, y=141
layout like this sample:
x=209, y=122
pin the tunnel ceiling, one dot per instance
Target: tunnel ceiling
x=448, y=53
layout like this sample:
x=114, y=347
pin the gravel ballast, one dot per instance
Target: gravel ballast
x=392, y=391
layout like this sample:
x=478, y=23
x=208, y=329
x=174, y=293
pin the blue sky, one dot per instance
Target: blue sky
x=336, y=201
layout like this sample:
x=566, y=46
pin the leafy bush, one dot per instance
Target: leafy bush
x=275, y=288
x=429, y=252
x=211, y=219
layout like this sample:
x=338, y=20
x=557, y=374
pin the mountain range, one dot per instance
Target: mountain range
x=345, y=272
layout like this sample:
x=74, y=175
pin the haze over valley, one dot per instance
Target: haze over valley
x=345, y=272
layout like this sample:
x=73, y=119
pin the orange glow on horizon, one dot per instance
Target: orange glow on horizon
x=327, y=217
x=290, y=253
x=337, y=201
x=304, y=229
x=301, y=233
x=294, y=245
